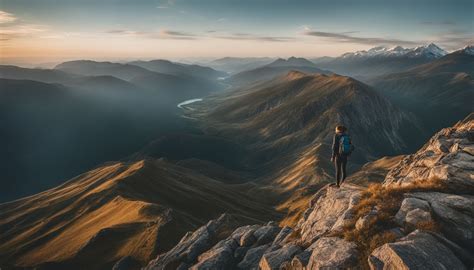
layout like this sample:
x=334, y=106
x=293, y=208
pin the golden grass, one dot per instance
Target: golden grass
x=387, y=200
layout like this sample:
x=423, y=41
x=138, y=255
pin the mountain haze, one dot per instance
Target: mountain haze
x=274, y=69
x=439, y=93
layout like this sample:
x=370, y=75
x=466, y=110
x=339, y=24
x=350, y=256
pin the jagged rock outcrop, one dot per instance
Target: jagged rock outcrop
x=275, y=259
x=453, y=213
x=333, y=253
x=447, y=158
x=192, y=245
x=449, y=155
x=270, y=246
x=418, y=250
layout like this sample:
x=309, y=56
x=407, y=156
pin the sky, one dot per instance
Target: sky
x=54, y=30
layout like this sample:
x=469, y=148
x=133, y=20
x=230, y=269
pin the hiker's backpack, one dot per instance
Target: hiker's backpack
x=345, y=145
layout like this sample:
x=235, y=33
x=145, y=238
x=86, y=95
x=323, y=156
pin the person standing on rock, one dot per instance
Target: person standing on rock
x=341, y=149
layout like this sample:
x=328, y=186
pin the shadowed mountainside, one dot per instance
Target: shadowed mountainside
x=276, y=68
x=439, y=93
x=53, y=132
x=234, y=65
x=119, y=209
x=286, y=124
x=35, y=74
x=168, y=67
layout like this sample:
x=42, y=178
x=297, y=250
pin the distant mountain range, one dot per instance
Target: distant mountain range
x=168, y=67
x=274, y=69
x=428, y=51
x=380, y=60
x=439, y=92
x=234, y=65
x=35, y=74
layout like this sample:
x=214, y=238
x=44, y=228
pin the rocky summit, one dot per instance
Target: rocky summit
x=430, y=225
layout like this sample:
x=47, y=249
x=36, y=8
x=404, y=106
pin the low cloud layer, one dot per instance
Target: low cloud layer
x=348, y=38
x=162, y=34
x=172, y=34
x=246, y=36
x=6, y=17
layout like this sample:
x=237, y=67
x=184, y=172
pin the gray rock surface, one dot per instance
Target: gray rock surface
x=333, y=253
x=282, y=235
x=418, y=250
x=274, y=259
x=447, y=156
x=266, y=234
x=455, y=214
x=329, y=211
x=252, y=257
x=413, y=211
x=300, y=261
x=190, y=246
x=248, y=238
x=221, y=256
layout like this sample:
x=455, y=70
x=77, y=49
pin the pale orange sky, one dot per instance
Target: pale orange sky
x=51, y=31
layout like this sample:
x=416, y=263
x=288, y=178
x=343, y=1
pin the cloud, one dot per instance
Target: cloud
x=6, y=17
x=176, y=34
x=453, y=39
x=346, y=37
x=12, y=27
x=163, y=34
x=246, y=36
x=438, y=23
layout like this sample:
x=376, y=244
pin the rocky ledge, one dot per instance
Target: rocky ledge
x=316, y=242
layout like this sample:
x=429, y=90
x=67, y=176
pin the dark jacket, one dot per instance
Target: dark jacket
x=335, y=143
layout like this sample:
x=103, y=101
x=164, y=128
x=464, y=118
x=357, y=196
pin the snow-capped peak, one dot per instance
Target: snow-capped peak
x=469, y=49
x=430, y=51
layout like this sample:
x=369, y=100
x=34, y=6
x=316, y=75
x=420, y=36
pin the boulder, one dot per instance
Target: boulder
x=190, y=246
x=418, y=250
x=237, y=234
x=282, y=235
x=239, y=253
x=454, y=213
x=248, y=238
x=330, y=209
x=266, y=234
x=220, y=256
x=252, y=257
x=333, y=253
x=274, y=259
x=300, y=261
x=413, y=211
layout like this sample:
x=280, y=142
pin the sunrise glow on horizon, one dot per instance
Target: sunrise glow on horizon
x=49, y=30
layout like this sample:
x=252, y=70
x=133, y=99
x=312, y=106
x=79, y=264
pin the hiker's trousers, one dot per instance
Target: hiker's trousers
x=340, y=163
